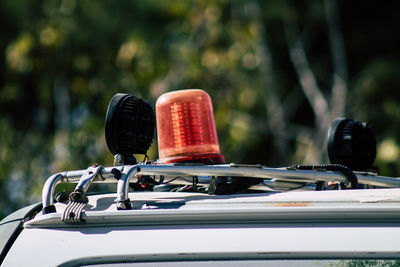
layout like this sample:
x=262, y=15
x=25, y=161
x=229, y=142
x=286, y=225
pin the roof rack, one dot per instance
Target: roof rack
x=184, y=174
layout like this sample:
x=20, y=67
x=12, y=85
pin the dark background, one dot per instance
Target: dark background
x=278, y=73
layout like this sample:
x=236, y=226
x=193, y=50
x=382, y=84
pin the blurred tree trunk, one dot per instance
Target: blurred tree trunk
x=339, y=86
x=62, y=121
x=325, y=109
x=268, y=90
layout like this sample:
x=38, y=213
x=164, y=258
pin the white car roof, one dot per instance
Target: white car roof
x=170, y=207
x=176, y=226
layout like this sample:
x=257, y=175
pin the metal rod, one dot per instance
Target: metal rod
x=87, y=178
x=130, y=174
x=225, y=170
x=70, y=177
x=123, y=183
x=281, y=174
x=48, y=191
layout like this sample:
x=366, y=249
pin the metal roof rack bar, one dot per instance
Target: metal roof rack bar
x=130, y=174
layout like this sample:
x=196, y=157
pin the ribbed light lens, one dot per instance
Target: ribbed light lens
x=186, y=128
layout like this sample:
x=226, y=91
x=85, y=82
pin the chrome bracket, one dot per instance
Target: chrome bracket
x=77, y=199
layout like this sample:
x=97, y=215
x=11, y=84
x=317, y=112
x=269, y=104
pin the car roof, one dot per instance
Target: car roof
x=179, y=207
x=176, y=226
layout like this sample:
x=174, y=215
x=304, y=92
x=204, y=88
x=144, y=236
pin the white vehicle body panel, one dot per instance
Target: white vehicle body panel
x=49, y=247
x=186, y=226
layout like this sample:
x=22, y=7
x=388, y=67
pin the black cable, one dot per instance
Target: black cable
x=346, y=171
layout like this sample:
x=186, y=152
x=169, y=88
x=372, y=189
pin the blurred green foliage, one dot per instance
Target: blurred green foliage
x=62, y=61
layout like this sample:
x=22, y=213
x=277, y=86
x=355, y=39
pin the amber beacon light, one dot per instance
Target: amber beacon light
x=186, y=128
